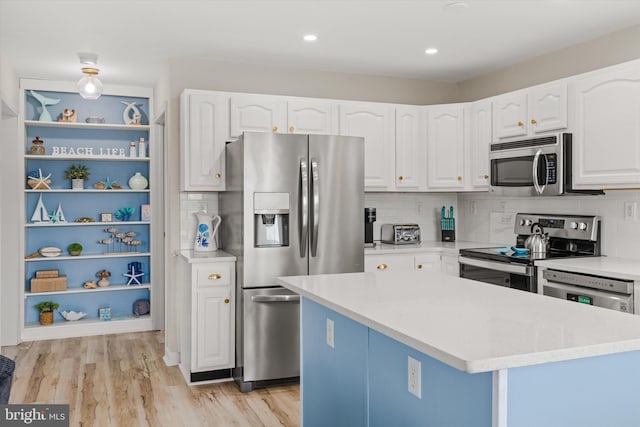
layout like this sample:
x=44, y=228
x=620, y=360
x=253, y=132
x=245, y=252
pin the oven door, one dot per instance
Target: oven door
x=521, y=277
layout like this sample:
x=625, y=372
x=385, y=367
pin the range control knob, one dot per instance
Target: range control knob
x=573, y=225
x=528, y=222
x=522, y=222
x=582, y=226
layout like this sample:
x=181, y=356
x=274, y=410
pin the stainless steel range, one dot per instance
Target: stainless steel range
x=568, y=236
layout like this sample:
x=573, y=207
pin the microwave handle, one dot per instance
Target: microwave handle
x=536, y=159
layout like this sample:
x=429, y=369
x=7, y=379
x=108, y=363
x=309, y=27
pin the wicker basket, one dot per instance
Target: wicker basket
x=46, y=318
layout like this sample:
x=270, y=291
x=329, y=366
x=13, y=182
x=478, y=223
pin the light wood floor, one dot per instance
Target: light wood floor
x=121, y=380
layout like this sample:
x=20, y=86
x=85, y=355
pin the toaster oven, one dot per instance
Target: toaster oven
x=400, y=234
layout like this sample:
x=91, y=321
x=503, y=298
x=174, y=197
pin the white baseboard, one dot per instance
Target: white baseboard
x=171, y=358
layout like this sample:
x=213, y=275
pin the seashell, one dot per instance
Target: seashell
x=90, y=284
x=73, y=315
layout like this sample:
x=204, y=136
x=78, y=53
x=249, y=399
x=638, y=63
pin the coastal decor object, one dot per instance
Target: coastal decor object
x=68, y=116
x=57, y=216
x=40, y=213
x=107, y=184
x=103, y=276
x=75, y=249
x=131, y=115
x=142, y=148
x=39, y=182
x=106, y=217
x=45, y=102
x=50, y=251
x=206, y=232
x=46, y=309
x=95, y=120
x=72, y=316
x=134, y=273
x=84, y=220
x=89, y=284
x=37, y=149
x=145, y=212
x=48, y=281
x=104, y=314
x=141, y=307
x=138, y=182
x=89, y=86
x=124, y=214
x=77, y=174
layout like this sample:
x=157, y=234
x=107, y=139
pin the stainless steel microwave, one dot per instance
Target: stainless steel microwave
x=533, y=167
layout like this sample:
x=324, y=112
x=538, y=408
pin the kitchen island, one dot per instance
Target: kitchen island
x=473, y=354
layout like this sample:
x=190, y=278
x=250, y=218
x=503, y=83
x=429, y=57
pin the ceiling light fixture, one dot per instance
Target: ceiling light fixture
x=89, y=86
x=431, y=51
x=310, y=37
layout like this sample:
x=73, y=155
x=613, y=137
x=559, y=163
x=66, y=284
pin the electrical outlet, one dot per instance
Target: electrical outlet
x=630, y=211
x=473, y=208
x=413, y=380
x=330, y=341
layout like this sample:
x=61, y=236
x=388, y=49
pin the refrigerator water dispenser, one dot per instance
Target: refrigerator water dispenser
x=271, y=219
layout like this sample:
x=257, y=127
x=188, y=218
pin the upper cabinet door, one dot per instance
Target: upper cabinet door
x=548, y=107
x=374, y=122
x=312, y=117
x=510, y=115
x=411, y=143
x=480, y=142
x=445, y=155
x=606, y=131
x=258, y=113
x=204, y=130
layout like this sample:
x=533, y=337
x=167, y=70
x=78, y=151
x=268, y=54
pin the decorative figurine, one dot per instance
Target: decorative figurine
x=103, y=274
x=40, y=213
x=124, y=214
x=60, y=215
x=44, y=103
x=39, y=182
x=135, y=271
x=131, y=115
x=90, y=284
x=68, y=116
x=105, y=313
x=107, y=184
x=37, y=149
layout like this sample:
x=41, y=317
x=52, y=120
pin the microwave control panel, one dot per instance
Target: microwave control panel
x=552, y=168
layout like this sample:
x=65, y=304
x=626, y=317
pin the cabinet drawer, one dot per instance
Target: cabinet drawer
x=388, y=263
x=427, y=262
x=213, y=274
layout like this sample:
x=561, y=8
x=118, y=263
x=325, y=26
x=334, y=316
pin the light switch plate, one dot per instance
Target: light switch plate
x=330, y=341
x=630, y=211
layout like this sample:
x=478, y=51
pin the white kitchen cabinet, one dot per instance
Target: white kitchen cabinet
x=606, y=131
x=530, y=111
x=445, y=147
x=388, y=262
x=374, y=122
x=207, y=330
x=449, y=265
x=426, y=262
x=477, y=152
x=257, y=113
x=312, y=117
x=204, y=130
x=410, y=145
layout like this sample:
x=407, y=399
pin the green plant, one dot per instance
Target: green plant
x=46, y=306
x=74, y=247
x=77, y=172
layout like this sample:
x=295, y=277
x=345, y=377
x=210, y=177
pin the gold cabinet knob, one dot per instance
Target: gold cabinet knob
x=400, y=177
x=218, y=176
x=533, y=121
x=291, y=129
x=520, y=124
x=214, y=276
x=419, y=266
x=275, y=128
x=459, y=178
x=226, y=300
x=382, y=266
x=486, y=177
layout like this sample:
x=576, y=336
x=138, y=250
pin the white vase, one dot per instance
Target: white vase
x=206, y=232
x=138, y=182
x=77, y=184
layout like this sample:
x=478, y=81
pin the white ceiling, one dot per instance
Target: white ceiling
x=135, y=38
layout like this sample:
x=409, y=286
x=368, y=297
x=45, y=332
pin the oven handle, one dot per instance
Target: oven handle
x=499, y=266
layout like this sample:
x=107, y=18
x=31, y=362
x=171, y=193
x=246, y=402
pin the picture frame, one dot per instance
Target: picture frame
x=145, y=213
x=106, y=217
x=105, y=314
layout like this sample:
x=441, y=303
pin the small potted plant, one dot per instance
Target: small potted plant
x=46, y=309
x=74, y=249
x=77, y=174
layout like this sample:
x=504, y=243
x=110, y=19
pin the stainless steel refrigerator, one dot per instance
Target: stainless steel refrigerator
x=293, y=206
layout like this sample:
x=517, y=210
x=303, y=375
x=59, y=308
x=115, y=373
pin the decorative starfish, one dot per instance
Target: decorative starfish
x=41, y=180
x=108, y=184
x=54, y=217
x=133, y=276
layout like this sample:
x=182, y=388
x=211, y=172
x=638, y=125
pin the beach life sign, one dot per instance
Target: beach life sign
x=87, y=151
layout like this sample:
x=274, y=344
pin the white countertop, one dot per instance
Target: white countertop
x=193, y=257
x=451, y=248
x=472, y=326
x=617, y=268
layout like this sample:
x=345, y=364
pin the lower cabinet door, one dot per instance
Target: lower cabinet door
x=450, y=265
x=388, y=263
x=214, y=338
x=427, y=262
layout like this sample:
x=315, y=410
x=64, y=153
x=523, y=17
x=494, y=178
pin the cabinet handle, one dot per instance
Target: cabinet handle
x=291, y=129
x=533, y=121
x=401, y=177
x=459, y=178
x=382, y=266
x=218, y=176
x=275, y=128
x=419, y=266
x=520, y=124
x=226, y=300
x=214, y=276
x=486, y=177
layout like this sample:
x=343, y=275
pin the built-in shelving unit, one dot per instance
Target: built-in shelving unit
x=104, y=149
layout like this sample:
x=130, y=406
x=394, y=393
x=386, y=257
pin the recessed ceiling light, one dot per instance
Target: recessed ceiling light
x=310, y=37
x=431, y=51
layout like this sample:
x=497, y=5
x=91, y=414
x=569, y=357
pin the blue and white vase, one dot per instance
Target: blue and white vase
x=206, y=232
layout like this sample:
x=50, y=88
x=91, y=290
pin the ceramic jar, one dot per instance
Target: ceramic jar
x=138, y=182
x=206, y=232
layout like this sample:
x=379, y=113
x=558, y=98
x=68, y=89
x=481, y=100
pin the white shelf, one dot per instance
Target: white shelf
x=85, y=224
x=86, y=327
x=57, y=190
x=110, y=288
x=79, y=125
x=81, y=157
x=94, y=256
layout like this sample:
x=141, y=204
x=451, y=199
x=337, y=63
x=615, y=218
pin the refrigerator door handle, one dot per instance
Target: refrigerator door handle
x=315, y=197
x=304, y=207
